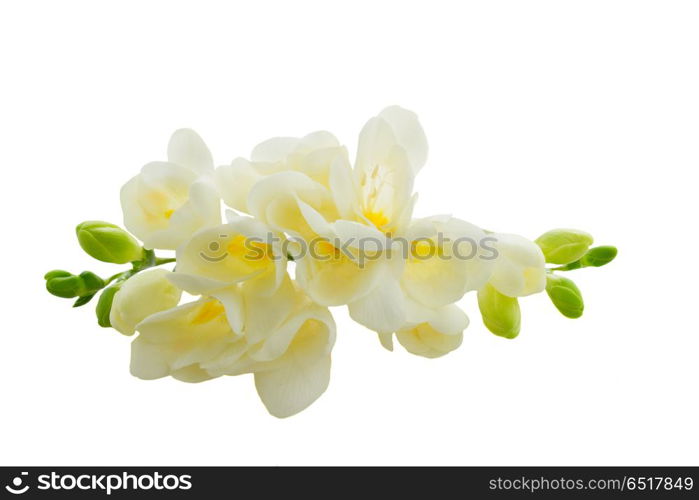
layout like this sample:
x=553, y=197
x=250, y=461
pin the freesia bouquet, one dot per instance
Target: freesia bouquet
x=348, y=232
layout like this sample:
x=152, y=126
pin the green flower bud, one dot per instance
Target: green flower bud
x=108, y=242
x=501, y=314
x=66, y=286
x=562, y=246
x=598, y=256
x=58, y=273
x=565, y=295
x=104, y=305
x=91, y=281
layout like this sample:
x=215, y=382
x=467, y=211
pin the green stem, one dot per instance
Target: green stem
x=568, y=267
x=149, y=260
x=164, y=260
x=112, y=278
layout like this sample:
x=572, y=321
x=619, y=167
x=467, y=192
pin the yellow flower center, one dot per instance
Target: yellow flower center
x=208, y=312
x=169, y=212
x=423, y=249
x=376, y=218
x=252, y=252
x=325, y=249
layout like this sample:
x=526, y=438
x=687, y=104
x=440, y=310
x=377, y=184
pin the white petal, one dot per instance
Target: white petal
x=320, y=139
x=149, y=199
x=308, y=320
x=449, y=320
x=292, y=381
x=317, y=164
x=337, y=281
x=376, y=140
x=274, y=200
x=454, y=261
x=315, y=220
x=192, y=374
x=435, y=332
x=278, y=149
x=198, y=285
x=202, y=209
x=186, y=335
x=408, y=133
x=427, y=342
x=173, y=178
x=140, y=296
x=264, y=315
x=293, y=388
x=435, y=282
x=360, y=236
x=385, y=184
x=134, y=217
x=383, y=309
x=233, y=302
x=386, y=339
x=235, y=181
x=242, y=250
x=147, y=362
x=426, y=227
x=520, y=267
x=186, y=148
x=343, y=187
x=274, y=149
x=232, y=360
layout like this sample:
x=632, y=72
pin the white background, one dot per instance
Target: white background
x=539, y=115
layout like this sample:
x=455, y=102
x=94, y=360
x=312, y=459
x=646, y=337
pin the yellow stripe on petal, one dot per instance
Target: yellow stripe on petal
x=208, y=312
x=327, y=249
x=378, y=219
x=249, y=253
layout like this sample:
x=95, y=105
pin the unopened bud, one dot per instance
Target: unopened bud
x=57, y=273
x=104, y=305
x=501, y=314
x=108, y=242
x=66, y=286
x=565, y=295
x=599, y=256
x=562, y=246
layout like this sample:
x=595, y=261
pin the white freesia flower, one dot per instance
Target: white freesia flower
x=168, y=201
x=378, y=191
x=430, y=333
x=195, y=342
x=146, y=293
x=178, y=341
x=244, y=250
x=444, y=259
x=449, y=258
x=284, y=200
x=311, y=156
x=519, y=268
x=291, y=361
x=374, y=199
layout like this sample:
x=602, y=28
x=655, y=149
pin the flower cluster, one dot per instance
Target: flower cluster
x=348, y=231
